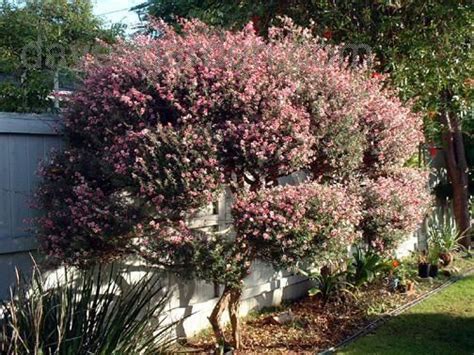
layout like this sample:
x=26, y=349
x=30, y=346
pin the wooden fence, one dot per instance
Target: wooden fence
x=25, y=140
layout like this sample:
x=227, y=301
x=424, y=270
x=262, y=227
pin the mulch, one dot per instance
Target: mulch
x=315, y=325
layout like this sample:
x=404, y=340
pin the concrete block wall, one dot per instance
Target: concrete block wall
x=264, y=287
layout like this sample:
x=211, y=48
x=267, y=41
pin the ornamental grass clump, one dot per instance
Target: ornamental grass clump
x=161, y=124
x=94, y=311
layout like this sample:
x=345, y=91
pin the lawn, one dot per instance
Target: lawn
x=443, y=324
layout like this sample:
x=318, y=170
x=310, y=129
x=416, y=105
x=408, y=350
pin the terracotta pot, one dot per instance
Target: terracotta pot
x=446, y=258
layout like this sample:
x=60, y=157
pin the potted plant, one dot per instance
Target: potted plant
x=443, y=233
x=405, y=274
x=423, y=266
x=446, y=254
x=449, y=246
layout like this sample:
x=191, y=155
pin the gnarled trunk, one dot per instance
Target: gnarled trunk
x=230, y=299
x=234, y=303
x=216, y=316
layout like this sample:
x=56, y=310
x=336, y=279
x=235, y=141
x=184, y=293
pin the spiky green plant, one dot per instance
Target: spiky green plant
x=365, y=266
x=328, y=284
x=86, y=312
x=442, y=231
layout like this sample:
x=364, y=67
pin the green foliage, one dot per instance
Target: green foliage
x=403, y=270
x=38, y=39
x=434, y=251
x=365, y=267
x=442, y=231
x=86, y=312
x=328, y=284
x=233, y=14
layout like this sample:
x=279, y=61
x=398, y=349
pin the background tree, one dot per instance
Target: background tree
x=424, y=45
x=40, y=40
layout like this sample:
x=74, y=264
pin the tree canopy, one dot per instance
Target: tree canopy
x=425, y=47
x=38, y=40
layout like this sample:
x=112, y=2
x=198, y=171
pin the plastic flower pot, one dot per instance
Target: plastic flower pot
x=433, y=270
x=423, y=270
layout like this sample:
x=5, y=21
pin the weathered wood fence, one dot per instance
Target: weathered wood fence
x=25, y=140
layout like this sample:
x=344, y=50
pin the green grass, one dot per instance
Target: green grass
x=443, y=324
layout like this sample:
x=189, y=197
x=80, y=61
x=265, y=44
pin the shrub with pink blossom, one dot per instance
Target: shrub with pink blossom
x=357, y=123
x=393, y=132
x=394, y=206
x=291, y=224
x=161, y=124
x=81, y=221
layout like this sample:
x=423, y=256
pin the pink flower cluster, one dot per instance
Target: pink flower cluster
x=80, y=222
x=176, y=171
x=358, y=125
x=284, y=225
x=226, y=79
x=393, y=131
x=394, y=207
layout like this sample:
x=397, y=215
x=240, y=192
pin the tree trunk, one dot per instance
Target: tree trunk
x=216, y=316
x=456, y=166
x=234, y=316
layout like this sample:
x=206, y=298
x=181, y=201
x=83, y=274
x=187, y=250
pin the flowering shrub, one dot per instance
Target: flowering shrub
x=393, y=133
x=81, y=220
x=358, y=125
x=226, y=80
x=284, y=225
x=174, y=169
x=395, y=205
x=160, y=124
x=193, y=253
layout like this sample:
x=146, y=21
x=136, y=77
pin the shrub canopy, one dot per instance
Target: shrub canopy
x=161, y=124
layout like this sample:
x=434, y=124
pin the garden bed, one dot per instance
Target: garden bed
x=315, y=326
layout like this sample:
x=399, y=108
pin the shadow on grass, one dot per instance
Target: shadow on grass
x=420, y=334
x=443, y=324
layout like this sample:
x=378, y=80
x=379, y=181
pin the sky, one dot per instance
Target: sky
x=112, y=11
